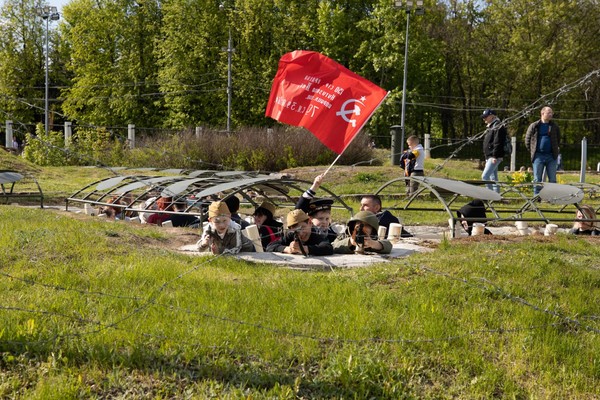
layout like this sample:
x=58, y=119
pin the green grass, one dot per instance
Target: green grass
x=93, y=309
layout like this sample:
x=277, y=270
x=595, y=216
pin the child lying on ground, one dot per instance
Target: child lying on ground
x=220, y=237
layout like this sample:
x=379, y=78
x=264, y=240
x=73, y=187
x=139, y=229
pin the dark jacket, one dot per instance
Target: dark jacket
x=318, y=245
x=269, y=233
x=475, y=210
x=531, y=138
x=386, y=218
x=238, y=219
x=590, y=232
x=493, y=141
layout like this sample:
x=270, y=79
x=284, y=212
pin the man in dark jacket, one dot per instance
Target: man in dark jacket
x=493, y=147
x=542, y=140
x=372, y=202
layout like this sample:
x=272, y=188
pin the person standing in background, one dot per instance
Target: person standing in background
x=413, y=162
x=542, y=140
x=493, y=147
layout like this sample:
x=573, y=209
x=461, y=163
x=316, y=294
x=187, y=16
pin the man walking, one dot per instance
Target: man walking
x=542, y=140
x=493, y=147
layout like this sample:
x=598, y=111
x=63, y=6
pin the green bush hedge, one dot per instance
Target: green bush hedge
x=247, y=149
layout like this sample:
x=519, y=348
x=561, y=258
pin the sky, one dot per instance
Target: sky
x=58, y=3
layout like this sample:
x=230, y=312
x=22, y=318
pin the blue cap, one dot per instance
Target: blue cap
x=487, y=112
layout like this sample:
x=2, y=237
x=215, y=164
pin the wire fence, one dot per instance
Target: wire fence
x=582, y=323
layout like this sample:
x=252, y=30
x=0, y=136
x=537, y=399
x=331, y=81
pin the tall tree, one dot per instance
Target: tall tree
x=112, y=59
x=22, y=66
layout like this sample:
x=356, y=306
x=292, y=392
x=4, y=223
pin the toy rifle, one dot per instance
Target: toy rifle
x=297, y=239
x=211, y=235
x=359, y=237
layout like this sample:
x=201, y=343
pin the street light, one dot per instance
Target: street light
x=48, y=13
x=230, y=50
x=419, y=10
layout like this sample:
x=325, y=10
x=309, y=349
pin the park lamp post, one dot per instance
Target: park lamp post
x=419, y=10
x=230, y=50
x=48, y=13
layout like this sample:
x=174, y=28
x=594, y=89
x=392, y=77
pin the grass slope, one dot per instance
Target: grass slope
x=94, y=309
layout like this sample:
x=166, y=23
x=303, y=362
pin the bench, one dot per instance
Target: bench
x=14, y=185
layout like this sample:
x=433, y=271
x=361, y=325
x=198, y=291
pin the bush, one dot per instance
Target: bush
x=247, y=149
x=45, y=149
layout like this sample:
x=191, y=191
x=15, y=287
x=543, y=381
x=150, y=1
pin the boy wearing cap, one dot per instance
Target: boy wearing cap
x=493, y=147
x=319, y=210
x=220, y=237
x=361, y=236
x=301, y=237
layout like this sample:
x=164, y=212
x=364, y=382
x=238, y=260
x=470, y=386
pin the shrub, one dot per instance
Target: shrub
x=45, y=149
x=247, y=149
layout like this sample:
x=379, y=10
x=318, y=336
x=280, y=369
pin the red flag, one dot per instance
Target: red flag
x=315, y=92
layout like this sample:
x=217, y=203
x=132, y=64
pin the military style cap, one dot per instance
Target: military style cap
x=317, y=205
x=366, y=217
x=218, y=208
x=294, y=217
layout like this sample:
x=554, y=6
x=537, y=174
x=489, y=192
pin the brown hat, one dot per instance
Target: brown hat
x=267, y=205
x=294, y=217
x=218, y=208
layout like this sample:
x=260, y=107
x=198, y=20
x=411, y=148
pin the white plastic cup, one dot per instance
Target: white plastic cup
x=381, y=232
x=395, y=231
x=478, y=229
x=521, y=225
x=167, y=224
x=550, y=229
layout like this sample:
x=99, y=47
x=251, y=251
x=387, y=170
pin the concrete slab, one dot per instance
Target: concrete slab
x=402, y=249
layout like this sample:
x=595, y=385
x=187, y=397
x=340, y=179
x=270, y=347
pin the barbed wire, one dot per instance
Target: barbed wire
x=544, y=100
x=152, y=299
x=487, y=286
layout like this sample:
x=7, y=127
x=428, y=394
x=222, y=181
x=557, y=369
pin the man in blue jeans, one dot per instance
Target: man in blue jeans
x=542, y=140
x=493, y=147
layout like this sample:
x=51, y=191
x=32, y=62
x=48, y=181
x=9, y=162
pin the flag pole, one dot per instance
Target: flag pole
x=334, y=161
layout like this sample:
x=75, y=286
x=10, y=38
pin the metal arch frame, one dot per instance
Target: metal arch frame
x=184, y=187
x=426, y=184
x=566, y=198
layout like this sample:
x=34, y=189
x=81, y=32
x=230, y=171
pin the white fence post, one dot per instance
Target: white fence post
x=427, y=145
x=513, y=155
x=68, y=133
x=198, y=132
x=583, y=160
x=131, y=135
x=9, y=134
